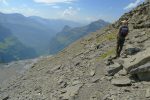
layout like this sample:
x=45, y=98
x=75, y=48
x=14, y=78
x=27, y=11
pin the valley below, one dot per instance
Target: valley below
x=16, y=68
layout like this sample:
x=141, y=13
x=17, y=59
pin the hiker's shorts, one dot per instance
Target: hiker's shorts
x=120, y=41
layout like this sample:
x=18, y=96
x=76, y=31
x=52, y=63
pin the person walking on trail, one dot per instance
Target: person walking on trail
x=123, y=32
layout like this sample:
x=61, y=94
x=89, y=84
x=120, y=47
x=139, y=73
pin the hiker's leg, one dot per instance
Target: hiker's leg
x=117, y=48
x=118, y=54
x=121, y=47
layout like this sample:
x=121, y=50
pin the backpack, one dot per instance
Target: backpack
x=124, y=31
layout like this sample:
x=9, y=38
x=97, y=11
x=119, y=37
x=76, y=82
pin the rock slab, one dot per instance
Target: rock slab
x=147, y=95
x=121, y=81
x=113, y=69
x=137, y=60
x=70, y=92
x=143, y=72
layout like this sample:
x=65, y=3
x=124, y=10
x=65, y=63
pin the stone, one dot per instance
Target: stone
x=113, y=69
x=92, y=72
x=137, y=60
x=147, y=95
x=122, y=72
x=131, y=50
x=141, y=69
x=109, y=78
x=108, y=62
x=121, y=81
x=124, y=56
x=144, y=76
x=106, y=97
x=143, y=72
x=56, y=68
x=6, y=98
x=70, y=92
x=75, y=82
x=63, y=85
x=127, y=90
x=95, y=80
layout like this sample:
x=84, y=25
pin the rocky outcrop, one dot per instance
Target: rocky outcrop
x=137, y=60
x=113, y=69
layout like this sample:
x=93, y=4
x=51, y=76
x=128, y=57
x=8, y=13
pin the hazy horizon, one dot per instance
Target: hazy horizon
x=74, y=10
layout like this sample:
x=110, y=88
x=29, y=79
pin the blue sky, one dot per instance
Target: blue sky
x=76, y=10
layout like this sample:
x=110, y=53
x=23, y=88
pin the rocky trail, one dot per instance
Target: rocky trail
x=86, y=71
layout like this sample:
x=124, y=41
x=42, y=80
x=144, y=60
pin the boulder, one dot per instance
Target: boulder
x=6, y=98
x=113, y=69
x=147, y=95
x=122, y=72
x=141, y=69
x=145, y=76
x=121, y=81
x=137, y=60
x=131, y=50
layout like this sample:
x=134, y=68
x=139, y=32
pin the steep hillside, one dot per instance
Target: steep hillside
x=68, y=35
x=34, y=32
x=11, y=48
x=79, y=71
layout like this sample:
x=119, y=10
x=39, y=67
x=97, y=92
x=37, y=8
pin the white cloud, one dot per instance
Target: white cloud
x=4, y=2
x=23, y=10
x=133, y=4
x=54, y=1
x=55, y=7
x=91, y=18
x=70, y=11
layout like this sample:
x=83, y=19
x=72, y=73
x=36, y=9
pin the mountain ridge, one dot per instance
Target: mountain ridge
x=31, y=30
x=69, y=35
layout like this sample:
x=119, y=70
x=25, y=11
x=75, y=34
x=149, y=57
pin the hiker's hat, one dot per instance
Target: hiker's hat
x=124, y=21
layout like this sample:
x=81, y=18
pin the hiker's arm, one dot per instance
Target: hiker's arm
x=128, y=31
x=119, y=31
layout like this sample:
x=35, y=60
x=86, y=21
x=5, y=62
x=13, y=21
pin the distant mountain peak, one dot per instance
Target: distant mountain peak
x=66, y=28
x=100, y=21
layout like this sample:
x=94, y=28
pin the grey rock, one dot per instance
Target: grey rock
x=63, y=84
x=145, y=76
x=109, y=78
x=70, y=92
x=141, y=69
x=143, y=72
x=113, y=69
x=56, y=68
x=108, y=62
x=75, y=82
x=142, y=40
x=6, y=98
x=137, y=60
x=131, y=50
x=106, y=97
x=121, y=81
x=92, y=72
x=147, y=95
x=95, y=79
x=122, y=72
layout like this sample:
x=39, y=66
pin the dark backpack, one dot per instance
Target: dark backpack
x=124, y=31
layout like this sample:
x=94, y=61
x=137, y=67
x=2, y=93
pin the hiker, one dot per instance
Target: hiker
x=123, y=32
